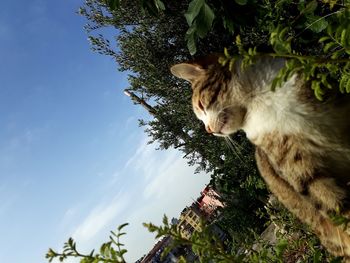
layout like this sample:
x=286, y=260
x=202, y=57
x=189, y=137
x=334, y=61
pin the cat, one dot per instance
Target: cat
x=302, y=144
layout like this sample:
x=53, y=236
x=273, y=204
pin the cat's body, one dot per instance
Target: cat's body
x=303, y=145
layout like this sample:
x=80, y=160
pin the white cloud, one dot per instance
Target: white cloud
x=157, y=183
x=149, y=162
x=169, y=185
x=140, y=151
x=167, y=193
x=176, y=181
x=68, y=217
x=100, y=217
x=164, y=176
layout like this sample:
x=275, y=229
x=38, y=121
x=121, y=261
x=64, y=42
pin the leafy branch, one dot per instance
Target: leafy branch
x=199, y=17
x=331, y=65
x=205, y=244
x=209, y=248
x=110, y=252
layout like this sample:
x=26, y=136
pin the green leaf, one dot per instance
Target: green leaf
x=322, y=39
x=344, y=80
x=337, y=54
x=317, y=256
x=204, y=21
x=191, y=41
x=344, y=39
x=122, y=226
x=241, y=2
x=223, y=60
x=228, y=24
x=329, y=46
x=316, y=86
x=316, y=24
x=281, y=247
x=226, y=53
x=121, y=234
x=347, y=88
x=193, y=10
x=310, y=7
x=231, y=64
x=159, y=4
x=281, y=48
x=280, y=40
x=165, y=220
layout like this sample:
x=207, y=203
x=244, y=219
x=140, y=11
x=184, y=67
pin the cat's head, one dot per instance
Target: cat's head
x=216, y=97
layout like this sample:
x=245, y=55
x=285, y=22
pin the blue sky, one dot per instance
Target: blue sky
x=73, y=161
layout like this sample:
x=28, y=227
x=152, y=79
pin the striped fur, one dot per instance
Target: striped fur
x=332, y=237
x=303, y=146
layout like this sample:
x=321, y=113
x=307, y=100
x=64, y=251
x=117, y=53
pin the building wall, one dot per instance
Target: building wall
x=190, y=220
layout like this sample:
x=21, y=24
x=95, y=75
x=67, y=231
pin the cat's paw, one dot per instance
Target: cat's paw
x=327, y=194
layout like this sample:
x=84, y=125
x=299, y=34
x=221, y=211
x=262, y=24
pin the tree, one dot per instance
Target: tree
x=148, y=46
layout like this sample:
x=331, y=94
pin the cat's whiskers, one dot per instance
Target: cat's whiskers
x=234, y=142
x=233, y=146
x=236, y=146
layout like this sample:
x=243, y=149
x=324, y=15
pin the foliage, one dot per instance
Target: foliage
x=297, y=244
x=199, y=17
x=205, y=244
x=147, y=46
x=303, y=245
x=326, y=65
x=111, y=251
x=322, y=26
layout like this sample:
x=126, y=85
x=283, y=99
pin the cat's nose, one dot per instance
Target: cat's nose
x=209, y=130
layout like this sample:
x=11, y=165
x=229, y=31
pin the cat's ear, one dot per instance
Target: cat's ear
x=187, y=71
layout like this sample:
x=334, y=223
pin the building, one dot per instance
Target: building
x=209, y=202
x=154, y=256
x=203, y=210
x=190, y=220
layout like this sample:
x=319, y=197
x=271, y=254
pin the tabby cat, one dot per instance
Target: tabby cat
x=302, y=145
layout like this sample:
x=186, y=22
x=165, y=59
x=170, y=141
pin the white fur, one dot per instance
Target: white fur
x=271, y=111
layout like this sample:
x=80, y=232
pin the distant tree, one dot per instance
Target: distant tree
x=147, y=45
